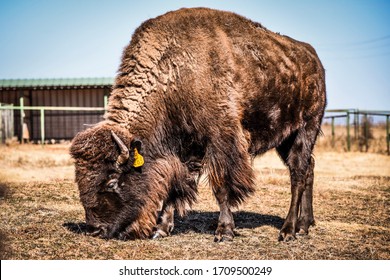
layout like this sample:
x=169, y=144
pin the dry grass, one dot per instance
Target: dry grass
x=41, y=217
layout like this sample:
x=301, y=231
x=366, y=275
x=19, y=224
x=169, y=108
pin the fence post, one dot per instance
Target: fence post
x=356, y=136
x=21, y=102
x=333, y=133
x=43, y=126
x=348, y=134
x=366, y=131
x=388, y=134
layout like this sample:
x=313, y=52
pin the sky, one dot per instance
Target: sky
x=85, y=38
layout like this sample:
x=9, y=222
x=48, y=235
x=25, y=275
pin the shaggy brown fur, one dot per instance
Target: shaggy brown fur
x=204, y=91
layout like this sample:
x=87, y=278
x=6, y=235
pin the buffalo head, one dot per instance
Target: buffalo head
x=108, y=164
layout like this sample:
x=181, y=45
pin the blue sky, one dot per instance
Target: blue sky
x=84, y=38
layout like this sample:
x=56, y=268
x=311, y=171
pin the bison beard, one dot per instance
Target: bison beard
x=200, y=91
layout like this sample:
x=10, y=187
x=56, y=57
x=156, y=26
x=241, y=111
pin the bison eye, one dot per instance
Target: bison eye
x=112, y=185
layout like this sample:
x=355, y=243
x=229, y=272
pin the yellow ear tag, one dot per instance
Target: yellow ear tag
x=138, y=159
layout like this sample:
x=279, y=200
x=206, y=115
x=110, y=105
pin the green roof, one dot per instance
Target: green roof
x=55, y=83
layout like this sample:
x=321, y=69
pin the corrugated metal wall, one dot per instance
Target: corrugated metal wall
x=58, y=124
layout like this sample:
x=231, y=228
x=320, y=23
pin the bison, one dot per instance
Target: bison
x=200, y=92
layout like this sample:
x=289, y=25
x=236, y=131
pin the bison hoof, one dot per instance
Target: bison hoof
x=159, y=234
x=303, y=226
x=107, y=234
x=125, y=236
x=224, y=235
x=287, y=233
x=286, y=236
x=156, y=235
x=223, y=238
x=303, y=231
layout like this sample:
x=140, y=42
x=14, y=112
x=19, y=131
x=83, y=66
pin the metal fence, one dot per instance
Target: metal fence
x=6, y=122
x=42, y=111
x=352, y=118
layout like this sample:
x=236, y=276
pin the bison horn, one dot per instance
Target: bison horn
x=124, y=156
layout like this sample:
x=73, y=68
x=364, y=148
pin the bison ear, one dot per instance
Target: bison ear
x=136, y=145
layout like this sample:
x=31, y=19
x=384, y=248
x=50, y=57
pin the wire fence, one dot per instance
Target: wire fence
x=358, y=124
x=355, y=121
x=20, y=126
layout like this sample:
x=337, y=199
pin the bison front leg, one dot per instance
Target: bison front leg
x=182, y=193
x=231, y=177
x=226, y=226
x=165, y=224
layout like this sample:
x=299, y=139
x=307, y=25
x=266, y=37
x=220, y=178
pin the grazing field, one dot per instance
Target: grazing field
x=41, y=217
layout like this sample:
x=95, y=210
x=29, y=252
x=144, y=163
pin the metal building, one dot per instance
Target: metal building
x=58, y=125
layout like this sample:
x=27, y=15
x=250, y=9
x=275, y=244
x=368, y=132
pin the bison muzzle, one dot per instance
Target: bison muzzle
x=200, y=92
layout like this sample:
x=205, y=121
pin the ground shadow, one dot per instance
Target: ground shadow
x=3, y=190
x=78, y=228
x=204, y=222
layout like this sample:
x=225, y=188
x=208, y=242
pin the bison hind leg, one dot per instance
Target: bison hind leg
x=296, y=152
x=306, y=217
